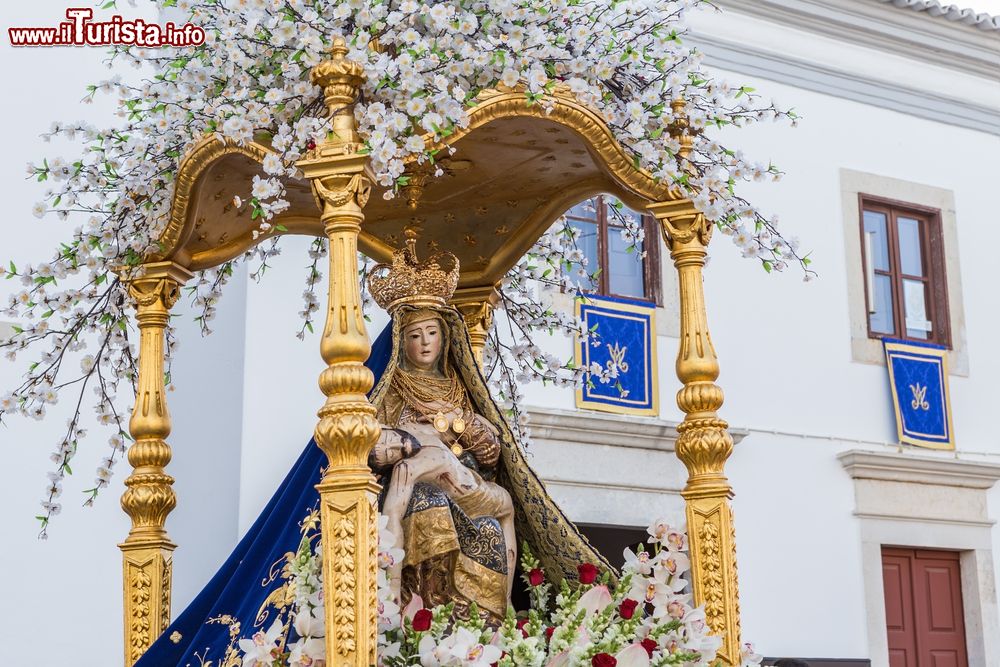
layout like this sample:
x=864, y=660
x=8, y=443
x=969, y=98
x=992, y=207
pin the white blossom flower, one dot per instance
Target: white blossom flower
x=262, y=648
x=307, y=652
x=87, y=363
x=463, y=648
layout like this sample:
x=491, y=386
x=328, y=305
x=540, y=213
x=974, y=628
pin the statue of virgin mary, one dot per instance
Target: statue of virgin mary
x=456, y=487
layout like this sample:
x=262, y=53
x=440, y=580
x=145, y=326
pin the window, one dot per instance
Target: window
x=903, y=260
x=618, y=271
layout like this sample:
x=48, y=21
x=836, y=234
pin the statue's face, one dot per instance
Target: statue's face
x=422, y=344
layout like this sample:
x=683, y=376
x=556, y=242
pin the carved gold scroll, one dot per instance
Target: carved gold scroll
x=147, y=552
x=703, y=442
x=347, y=428
x=476, y=305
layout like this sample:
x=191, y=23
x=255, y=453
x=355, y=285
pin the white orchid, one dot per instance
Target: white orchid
x=307, y=653
x=462, y=648
x=309, y=623
x=262, y=648
x=640, y=562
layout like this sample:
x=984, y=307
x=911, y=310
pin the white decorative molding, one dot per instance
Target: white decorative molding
x=926, y=520
x=861, y=464
x=882, y=26
x=639, y=471
x=939, y=54
x=598, y=428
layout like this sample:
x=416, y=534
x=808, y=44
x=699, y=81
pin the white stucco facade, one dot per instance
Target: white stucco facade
x=820, y=483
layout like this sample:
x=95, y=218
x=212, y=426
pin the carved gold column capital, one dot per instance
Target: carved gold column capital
x=347, y=428
x=155, y=287
x=147, y=552
x=683, y=226
x=704, y=442
x=476, y=305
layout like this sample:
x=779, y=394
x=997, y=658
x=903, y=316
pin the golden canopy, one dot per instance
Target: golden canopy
x=516, y=169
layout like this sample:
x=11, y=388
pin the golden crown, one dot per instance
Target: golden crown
x=407, y=281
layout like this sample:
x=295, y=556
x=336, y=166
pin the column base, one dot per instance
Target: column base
x=147, y=572
x=712, y=546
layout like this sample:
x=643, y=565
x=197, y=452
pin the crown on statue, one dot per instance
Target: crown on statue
x=407, y=281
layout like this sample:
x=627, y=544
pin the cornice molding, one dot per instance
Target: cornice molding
x=744, y=59
x=597, y=428
x=883, y=26
x=881, y=466
x=868, y=25
x=923, y=520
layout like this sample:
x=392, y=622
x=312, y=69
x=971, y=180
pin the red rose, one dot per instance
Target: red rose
x=520, y=626
x=588, y=572
x=536, y=576
x=422, y=620
x=548, y=633
x=650, y=645
x=627, y=608
x=603, y=659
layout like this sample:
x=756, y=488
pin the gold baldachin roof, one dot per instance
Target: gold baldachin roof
x=516, y=169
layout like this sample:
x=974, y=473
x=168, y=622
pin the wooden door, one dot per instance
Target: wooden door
x=923, y=608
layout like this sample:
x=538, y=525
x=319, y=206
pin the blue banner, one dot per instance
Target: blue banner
x=918, y=377
x=619, y=355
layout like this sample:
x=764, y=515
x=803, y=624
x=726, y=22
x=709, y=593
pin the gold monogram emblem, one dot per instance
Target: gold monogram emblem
x=617, y=353
x=919, y=401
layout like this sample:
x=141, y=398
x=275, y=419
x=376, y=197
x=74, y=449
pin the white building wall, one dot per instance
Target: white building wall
x=246, y=397
x=72, y=580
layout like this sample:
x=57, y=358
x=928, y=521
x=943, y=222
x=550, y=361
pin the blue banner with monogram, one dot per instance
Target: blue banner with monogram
x=622, y=343
x=918, y=377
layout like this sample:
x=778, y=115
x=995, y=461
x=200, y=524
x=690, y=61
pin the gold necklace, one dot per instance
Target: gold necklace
x=418, y=391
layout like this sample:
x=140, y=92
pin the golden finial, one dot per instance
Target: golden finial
x=416, y=180
x=341, y=80
x=407, y=281
x=680, y=127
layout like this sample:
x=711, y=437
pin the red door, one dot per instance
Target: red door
x=923, y=608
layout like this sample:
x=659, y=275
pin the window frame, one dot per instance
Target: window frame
x=932, y=259
x=652, y=287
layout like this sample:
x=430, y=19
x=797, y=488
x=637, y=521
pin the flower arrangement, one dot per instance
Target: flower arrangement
x=426, y=64
x=644, y=620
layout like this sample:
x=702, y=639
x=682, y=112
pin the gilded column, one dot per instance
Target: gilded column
x=703, y=443
x=147, y=552
x=347, y=428
x=476, y=305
